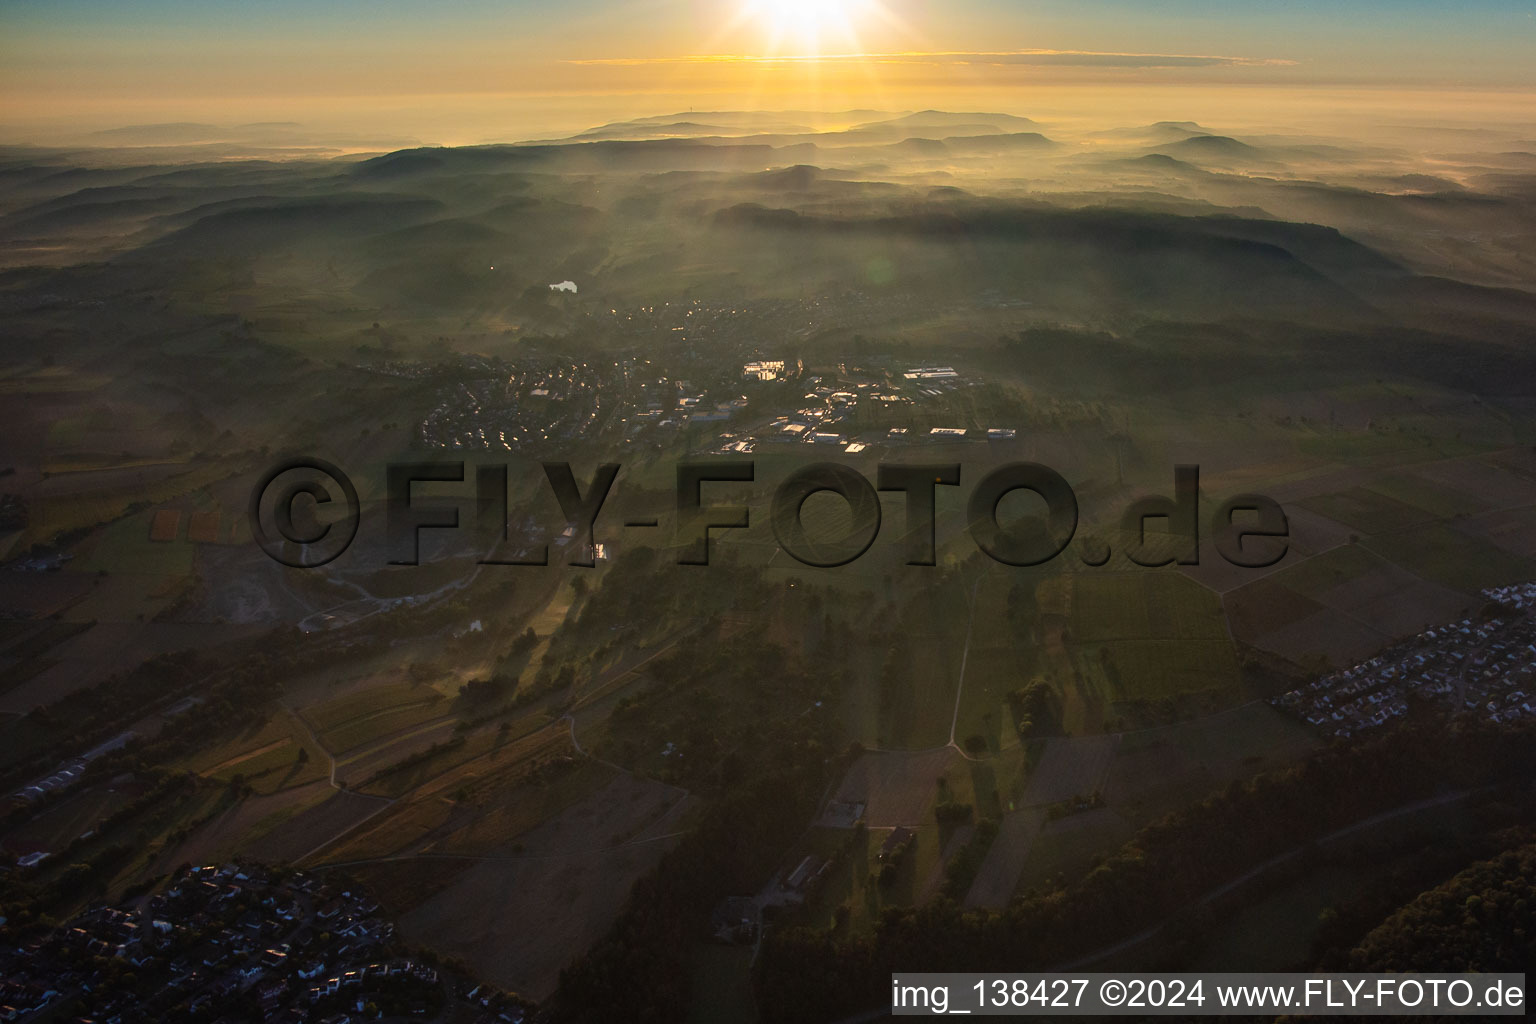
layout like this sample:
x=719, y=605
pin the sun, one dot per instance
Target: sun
x=808, y=26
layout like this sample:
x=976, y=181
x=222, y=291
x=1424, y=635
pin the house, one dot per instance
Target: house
x=806, y=872
x=896, y=844
x=734, y=920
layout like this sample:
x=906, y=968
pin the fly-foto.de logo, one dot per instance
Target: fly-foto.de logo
x=306, y=512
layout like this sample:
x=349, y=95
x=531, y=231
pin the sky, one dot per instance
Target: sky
x=475, y=70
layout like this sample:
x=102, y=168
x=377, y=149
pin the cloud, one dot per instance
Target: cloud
x=1048, y=58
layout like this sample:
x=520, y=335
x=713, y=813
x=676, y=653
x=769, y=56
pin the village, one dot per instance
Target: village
x=237, y=942
x=1484, y=667
x=540, y=405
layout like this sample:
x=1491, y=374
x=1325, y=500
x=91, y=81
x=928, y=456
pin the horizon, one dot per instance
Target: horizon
x=475, y=72
x=1070, y=110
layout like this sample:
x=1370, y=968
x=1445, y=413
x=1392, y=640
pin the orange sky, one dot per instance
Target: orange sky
x=473, y=71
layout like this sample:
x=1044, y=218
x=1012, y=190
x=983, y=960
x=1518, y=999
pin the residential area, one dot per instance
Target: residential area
x=1484, y=667
x=237, y=942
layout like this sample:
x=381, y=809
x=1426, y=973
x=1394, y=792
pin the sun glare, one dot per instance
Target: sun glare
x=808, y=26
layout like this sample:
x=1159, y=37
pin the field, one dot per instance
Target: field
x=85, y=503
x=283, y=826
x=95, y=654
x=999, y=874
x=1513, y=530
x=481, y=803
x=60, y=825
x=1369, y=511
x=1139, y=776
x=205, y=528
x=147, y=834
x=1445, y=555
x=1440, y=501
x=1066, y=848
x=142, y=544
x=1107, y=642
x=896, y=788
x=1069, y=767
x=349, y=721
x=28, y=656
x=268, y=758
x=1263, y=606
x=1328, y=569
x=519, y=914
x=903, y=788
x=1408, y=548
x=1148, y=604
x=165, y=526
x=396, y=768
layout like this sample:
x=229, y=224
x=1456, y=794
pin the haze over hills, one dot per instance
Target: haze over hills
x=1436, y=220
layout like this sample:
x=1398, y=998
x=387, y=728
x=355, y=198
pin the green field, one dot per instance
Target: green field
x=1322, y=572
x=268, y=758
x=87, y=507
x=357, y=718
x=395, y=783
x=1068, y=848
x=125, y=547
x=1149, y=605
x=1442, y=553
x=1150, y=669
x=1368, y=511
x=1438, y=500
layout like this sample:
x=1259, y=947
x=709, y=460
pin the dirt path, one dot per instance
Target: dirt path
x=384, y=802
x=965, y=653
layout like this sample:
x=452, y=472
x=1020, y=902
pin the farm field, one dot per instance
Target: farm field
x=569, y=874
x=897, y=788
x=94, y=655
x=480, y=803
x=1512, y=530
x=1141, y=670
x=278, y=755
x=28, y=652
x=85, y=506
x=997, y=879
x=365, y=715
x=1233, y=743
x=1069, y=767
x=1443, y=554
x=1369, y=511
x=57, y=827
x=400, y=763
x=1067, y=847
x=1142, y=776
